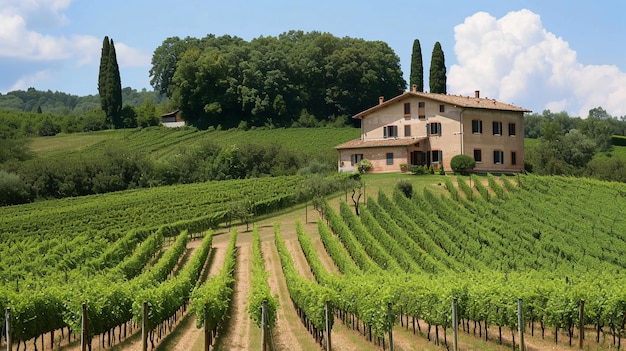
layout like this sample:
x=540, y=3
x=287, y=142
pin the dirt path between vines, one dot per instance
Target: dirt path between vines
x=187, y=336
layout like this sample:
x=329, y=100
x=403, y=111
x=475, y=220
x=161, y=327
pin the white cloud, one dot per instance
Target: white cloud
x=23, y=24
x=131, y=57
x=516, y=60
x=28, y=81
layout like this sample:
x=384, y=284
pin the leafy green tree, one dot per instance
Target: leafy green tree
x=462, y=163
x=48, y=128
x=269, y=81
x=129, y=117
x=164, y=61
x=13, y=190
x=437, y=78
x=200, y=83
x=417, y=66
x=146, y=114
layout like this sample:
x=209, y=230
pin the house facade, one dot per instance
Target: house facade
x=418, y=128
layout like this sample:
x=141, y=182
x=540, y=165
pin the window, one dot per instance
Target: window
x=407, y=130
x=511, y=129
x=390, y=158
x=421, y=110
x=477, y=126
x=421, y=104
x=355, y=158
x=442, y=108
x=436, y=156
x=407, y=109
x=390, y=132
x=497, y=128
x=433, y=128
x=513, y=158
x=498, y=157
x=478, y=155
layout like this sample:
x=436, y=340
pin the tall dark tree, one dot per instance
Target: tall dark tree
x=102, y=76
x=437, y=79
x=114, y=89
x=417, y=66
x=110, y=84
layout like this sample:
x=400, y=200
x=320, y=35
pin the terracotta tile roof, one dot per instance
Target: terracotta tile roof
x=359, y=143
x=457, y=100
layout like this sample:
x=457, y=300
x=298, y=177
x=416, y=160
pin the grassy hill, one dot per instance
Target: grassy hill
x=161, y=142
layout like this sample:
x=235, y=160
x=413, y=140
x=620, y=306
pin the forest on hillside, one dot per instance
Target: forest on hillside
x=60, y=103
x=295, y=79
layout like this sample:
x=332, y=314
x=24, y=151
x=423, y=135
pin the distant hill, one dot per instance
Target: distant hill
x=61, y=103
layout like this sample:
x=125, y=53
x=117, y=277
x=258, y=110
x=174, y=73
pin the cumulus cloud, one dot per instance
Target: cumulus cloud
x=131, y=57
x=23, y=38
x=516, y=60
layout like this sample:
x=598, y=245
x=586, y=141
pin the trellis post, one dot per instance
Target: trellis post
x=455, y=325
x=520, y=325
x=7, y=320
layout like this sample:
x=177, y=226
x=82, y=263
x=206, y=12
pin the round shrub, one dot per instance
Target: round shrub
x=405, y=187
x=364, y=165
x=462, y=163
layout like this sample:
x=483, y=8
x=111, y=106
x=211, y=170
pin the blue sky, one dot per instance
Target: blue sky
x=560, y=55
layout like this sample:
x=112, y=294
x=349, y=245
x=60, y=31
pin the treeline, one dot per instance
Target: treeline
x=33, y=100
x=575, y=146
x=119, y=169
x=295, y=79
x=16, y=125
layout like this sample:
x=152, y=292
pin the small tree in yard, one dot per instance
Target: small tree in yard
x=357, y=185
x=462, y=163
x=315, y=188
x=244, y=211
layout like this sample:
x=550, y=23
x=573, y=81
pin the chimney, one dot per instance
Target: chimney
x=414, y=88
x=477, y=94
x=381, y=99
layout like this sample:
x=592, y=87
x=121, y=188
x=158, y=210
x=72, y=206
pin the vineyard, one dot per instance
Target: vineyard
x=396, y=267
x=162, y=143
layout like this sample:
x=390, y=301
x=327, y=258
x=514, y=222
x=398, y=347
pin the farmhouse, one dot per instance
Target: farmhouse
x=417, y=128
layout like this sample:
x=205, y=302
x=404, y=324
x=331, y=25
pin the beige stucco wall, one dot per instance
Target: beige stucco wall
x=377, y=156
x=449, y=142
x=487, y=142
x=456, y=135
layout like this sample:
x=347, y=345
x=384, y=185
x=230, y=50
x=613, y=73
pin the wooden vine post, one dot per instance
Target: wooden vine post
x=84, y=335
x=7, y=320
x=207, y=331
x=390, y=316
x=144, y=326
x=520, y=325
x=328, y=315
x=581, y=324
x=455, y=325
x=264, y=325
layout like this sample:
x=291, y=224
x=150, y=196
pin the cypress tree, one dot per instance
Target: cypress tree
x=417, y=67
x=114, y=89
x=102, y=75
x=437, y=79
x=109, y=84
